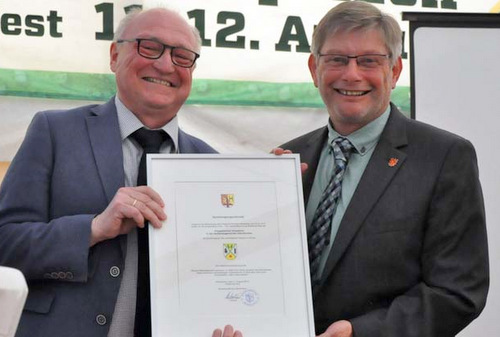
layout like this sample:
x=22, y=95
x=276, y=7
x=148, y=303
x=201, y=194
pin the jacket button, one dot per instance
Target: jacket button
x=69, y=275
x=61, y=275
x=114, y=271
x=100, y=319
x=54, y=275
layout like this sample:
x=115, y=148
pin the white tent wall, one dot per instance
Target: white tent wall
x=464, y=102
x=230, y=129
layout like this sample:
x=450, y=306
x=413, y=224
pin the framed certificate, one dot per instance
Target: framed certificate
x=233, y=249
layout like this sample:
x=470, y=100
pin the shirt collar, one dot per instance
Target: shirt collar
x=367, y=137
x=129, y=123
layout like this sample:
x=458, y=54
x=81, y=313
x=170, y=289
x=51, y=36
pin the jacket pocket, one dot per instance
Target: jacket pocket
x=39, y=300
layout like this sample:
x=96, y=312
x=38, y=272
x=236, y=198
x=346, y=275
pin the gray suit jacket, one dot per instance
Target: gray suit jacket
x=410, y=257
x=68, y=169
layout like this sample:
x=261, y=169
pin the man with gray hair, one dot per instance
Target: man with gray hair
x=394, y=208
x=73, y=216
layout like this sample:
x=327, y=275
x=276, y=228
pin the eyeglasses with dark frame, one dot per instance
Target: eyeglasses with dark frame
x=367, y=61
x=153, y=50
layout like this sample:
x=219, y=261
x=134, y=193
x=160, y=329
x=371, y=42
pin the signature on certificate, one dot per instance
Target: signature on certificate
x=248, y=296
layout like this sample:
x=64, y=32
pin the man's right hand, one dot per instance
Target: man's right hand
x=338, y=329
x=279, y=151
x=228, y=332
x=131, y=207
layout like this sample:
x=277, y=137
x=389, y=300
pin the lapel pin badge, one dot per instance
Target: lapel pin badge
x=393, y=162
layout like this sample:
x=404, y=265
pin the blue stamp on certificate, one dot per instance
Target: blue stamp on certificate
x=249, y=297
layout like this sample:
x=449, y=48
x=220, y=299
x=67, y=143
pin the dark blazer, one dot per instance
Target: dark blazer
x=68, y=169
x=410, y=257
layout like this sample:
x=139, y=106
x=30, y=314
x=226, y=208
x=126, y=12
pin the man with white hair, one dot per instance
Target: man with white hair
x=72, y=216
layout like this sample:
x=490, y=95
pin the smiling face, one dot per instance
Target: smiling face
x=154, y=90
x=354, y=96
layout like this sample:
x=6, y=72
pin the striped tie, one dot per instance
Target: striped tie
x=319, y=233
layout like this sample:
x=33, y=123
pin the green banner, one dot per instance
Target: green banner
x=81, y=86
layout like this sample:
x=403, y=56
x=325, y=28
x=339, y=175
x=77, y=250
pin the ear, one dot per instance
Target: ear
x=113, y=56
x=312, y=68
x=396, y=71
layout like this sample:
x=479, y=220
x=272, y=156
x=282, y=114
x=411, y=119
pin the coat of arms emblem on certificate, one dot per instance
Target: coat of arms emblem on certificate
x=230, y=251
x=227, y=200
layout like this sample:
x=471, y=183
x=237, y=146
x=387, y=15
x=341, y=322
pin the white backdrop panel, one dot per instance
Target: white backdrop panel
x=457, y=83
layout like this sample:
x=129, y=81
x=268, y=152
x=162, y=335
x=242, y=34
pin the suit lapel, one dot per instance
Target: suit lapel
x=310, y=154
x=185, y=144
x=378, y=174
x=105, y=140
x=190, y=144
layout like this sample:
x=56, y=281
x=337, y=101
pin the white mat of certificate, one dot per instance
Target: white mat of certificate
x=233, y=249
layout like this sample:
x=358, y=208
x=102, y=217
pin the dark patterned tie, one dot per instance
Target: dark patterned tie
x=319, y=233
x=150, y=141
